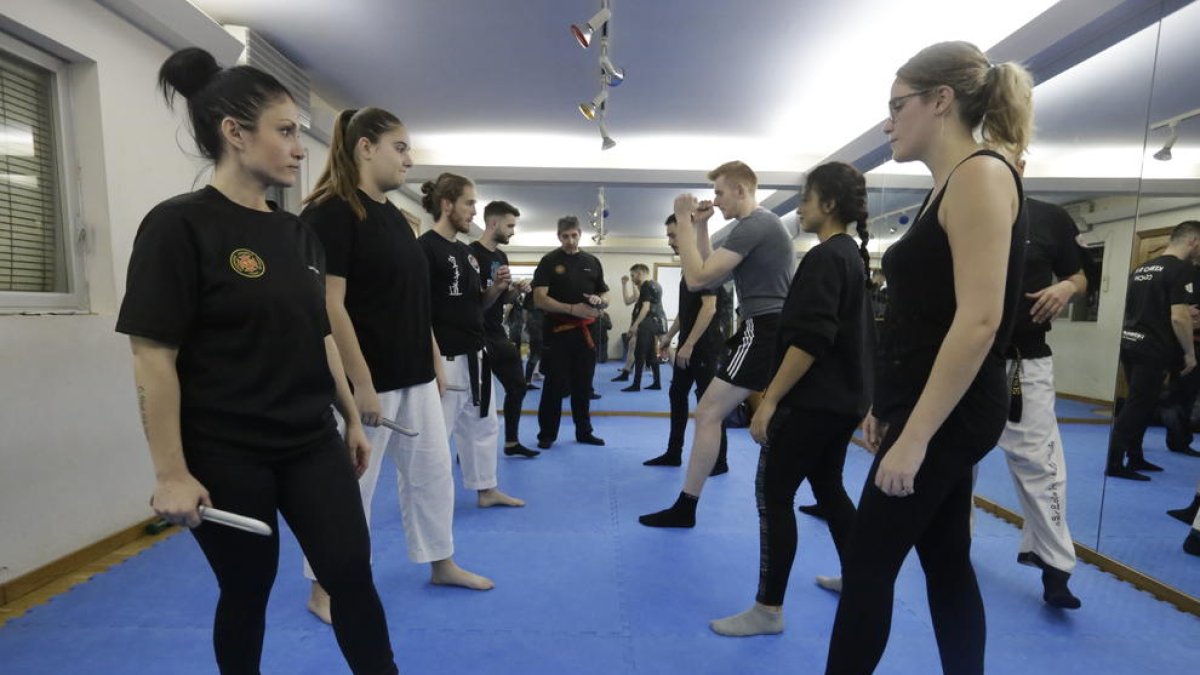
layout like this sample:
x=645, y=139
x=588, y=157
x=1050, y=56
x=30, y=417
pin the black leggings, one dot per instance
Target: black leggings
x=505, y=362
x=936, y=519
x=317, y=494
x=803, y=444
x=699, y=372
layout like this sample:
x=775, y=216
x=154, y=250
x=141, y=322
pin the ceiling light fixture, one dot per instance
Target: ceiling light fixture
x=614, y=75
x=583, y=34
x=1171, y=123
x=1164, y=155
x=593, y=107
x=606, y=141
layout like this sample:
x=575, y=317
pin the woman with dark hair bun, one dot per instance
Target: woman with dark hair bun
x=819, y=392
x=237, y=372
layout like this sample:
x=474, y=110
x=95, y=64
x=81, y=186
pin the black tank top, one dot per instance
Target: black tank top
x=921, y=303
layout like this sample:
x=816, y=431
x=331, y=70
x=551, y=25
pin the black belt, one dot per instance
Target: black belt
x=1015, y=401
x=481, y=380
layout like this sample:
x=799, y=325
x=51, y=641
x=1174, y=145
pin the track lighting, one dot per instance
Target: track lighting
x=606, y=142
x=614, y=74
x=583, y=34
x=593, y=107
x=1164, y=155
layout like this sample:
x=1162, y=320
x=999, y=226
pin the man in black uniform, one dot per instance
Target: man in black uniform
x=649, y=323
x=1031, y=440
x=458, y=301
x=1156, y=341
x=500, y=220
x=695, y=362
x=569, y=287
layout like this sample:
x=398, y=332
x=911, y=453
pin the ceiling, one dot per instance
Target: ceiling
x=491, y=89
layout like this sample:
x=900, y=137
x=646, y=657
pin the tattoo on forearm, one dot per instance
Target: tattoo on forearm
x=141, y=395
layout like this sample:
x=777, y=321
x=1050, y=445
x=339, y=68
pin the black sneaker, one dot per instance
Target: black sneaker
x=655, y=387
x=545, y=445
x=666, y=459
x=1192, y=543
x=813, y=510
x=719, y=468
x=1142, y=465
x=623, y=377
x=632, y=387
x=590, y=439
x=1125, y=472
x=519, y=450
x=1186, y=451
x=1185, y=515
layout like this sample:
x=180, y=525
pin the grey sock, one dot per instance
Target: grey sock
x=830, y=583
x=754, y=621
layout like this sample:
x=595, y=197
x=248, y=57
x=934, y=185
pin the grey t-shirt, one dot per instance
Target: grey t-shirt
x=763, y=277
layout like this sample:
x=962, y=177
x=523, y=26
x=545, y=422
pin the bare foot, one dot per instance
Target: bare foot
x=830, y=583
x=447, y=573
x=318, y=603
x=495, y=497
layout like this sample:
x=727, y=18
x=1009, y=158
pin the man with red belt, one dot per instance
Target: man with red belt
x=569, y=287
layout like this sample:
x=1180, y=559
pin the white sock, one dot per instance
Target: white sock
x=754, y=621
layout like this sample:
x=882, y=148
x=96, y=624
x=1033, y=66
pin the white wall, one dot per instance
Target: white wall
x=75, y=464
x=1086, y=354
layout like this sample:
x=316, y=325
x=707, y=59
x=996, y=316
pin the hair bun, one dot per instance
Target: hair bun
x=187, y=72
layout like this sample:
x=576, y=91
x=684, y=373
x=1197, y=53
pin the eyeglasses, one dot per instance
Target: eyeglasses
x=895, y=105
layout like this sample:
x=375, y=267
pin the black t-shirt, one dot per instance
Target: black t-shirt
x=387, y=287
x=241, y=294
x=489, y=263
x=689, y=309
x=1153, y=288
x=651, y=292
x=921, y=305
x=568, y=278
x=456, y=293
x=828, y=314
x=1051, y=251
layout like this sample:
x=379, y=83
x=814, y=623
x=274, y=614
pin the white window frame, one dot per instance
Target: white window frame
x=73, y=234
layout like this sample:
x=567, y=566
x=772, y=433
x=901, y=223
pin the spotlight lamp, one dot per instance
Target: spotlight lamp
x=1164, y=155
x=613, y=75
x=583, y=34
x=592, y=108
x=606, y=142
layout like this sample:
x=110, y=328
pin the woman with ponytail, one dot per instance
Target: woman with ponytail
x=236, y=370
x=941, y=398
x=377, y=294
x=820, y=390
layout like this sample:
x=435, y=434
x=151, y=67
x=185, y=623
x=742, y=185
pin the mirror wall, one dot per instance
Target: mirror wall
x=1134, y=526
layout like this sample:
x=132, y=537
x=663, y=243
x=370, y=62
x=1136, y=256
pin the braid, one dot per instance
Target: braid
x=864, y=236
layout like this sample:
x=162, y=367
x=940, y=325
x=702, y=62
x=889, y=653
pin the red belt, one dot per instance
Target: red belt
x=581, y=324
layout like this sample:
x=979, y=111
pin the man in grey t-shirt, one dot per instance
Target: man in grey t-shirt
x=758, y=253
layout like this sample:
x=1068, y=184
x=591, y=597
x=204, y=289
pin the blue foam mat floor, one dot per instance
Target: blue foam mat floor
x=583, y=588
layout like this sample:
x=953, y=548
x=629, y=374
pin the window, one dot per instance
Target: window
x=37, y=266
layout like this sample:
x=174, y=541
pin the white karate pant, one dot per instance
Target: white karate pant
x=423, y=472
x=475, y=438
x=1033, y=448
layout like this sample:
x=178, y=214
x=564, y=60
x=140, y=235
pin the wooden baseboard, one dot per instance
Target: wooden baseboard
x=31, y=581
x=1097, y=421
x=1085, y=399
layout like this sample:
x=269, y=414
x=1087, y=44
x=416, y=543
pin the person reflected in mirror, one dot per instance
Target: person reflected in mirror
x=1156, y=343
x=1176, y=411
x=648, y=325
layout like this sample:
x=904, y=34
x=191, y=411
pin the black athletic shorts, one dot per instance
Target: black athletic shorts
x=750, y=353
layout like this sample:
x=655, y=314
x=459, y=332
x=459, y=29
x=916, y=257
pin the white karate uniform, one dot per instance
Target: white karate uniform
x=1033, y=448
x=423, y=473
x=475, y=438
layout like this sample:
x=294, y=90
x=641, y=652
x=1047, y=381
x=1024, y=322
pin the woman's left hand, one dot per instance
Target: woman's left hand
x=898, y=469
x=360, y=448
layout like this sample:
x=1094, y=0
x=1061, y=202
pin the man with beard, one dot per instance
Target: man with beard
x=500, y=221
x=569, y=287
x=458, y=302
